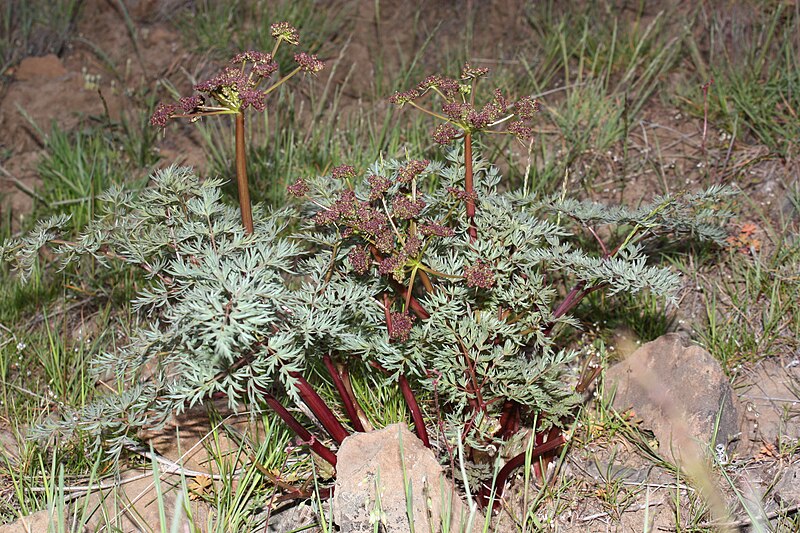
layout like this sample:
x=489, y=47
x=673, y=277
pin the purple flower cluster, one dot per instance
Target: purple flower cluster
x=401, y=326
x=308, y=62
x=445, y=133
x=414, y=168
x=253, y=98
x=359, y=260
x=283, y=31
x=393, y=265
x=520, y=130
x=412, y=246
x=231, y=78
x=402, y=98
x=253, y=56
x=189, y=104
x=343, y=172
x=162, y=114
x=479, y=275
x=462, y=195
x=298, y=189
x=404, y=208
x=469, y=73
x=438, y=230
x=378, y=186
x=526, y=107
x=462, y=115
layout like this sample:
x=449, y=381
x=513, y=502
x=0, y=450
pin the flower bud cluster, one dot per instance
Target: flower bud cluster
x=461, y=113
x=239, y=85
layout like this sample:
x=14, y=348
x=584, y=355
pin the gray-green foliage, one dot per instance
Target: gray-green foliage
x=239, y=315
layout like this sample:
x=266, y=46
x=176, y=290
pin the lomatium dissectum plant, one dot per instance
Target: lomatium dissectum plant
x=423, y=274
x=245, y=84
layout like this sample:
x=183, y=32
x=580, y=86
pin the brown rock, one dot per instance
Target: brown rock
x=134, y=506
x=680, y=392
x=35, y=523
x=369, y=464
x=32, y=68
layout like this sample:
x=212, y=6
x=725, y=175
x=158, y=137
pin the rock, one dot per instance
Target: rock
x=769, y=393
x=370, y=463
x=133, y=506
x=679, y=391
x=787, y=490
x=35, y=523
x=33, y=68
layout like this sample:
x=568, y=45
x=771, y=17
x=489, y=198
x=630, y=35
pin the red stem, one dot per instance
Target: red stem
x=469, y=187
x=316, y=446
x=416, y=413
x=348, y=401
x=241, y=176
x=512, y=464
x=319, y=408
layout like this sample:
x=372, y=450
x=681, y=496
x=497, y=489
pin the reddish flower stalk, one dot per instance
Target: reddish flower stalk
x=320, y=409
x=469, y=187
x=241, y=175
x=316, y=446
x=416, y=412
x=349, y=402
x=484, y=495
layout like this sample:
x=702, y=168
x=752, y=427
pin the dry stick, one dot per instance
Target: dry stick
x=320, y=408
x=241, y=176
x=348, y=401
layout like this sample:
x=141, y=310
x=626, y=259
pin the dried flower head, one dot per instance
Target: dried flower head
x=283, y=31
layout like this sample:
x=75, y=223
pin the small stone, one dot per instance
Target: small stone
x=34, y=523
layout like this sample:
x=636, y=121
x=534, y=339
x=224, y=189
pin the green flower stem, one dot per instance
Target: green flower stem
x=429, y=112
x=241, y=176
x=282, y=81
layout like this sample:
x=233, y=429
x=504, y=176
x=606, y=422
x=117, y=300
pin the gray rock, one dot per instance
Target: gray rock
x=34, y=523
x=680, y=392
x=369, y=468
x=787, y=490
